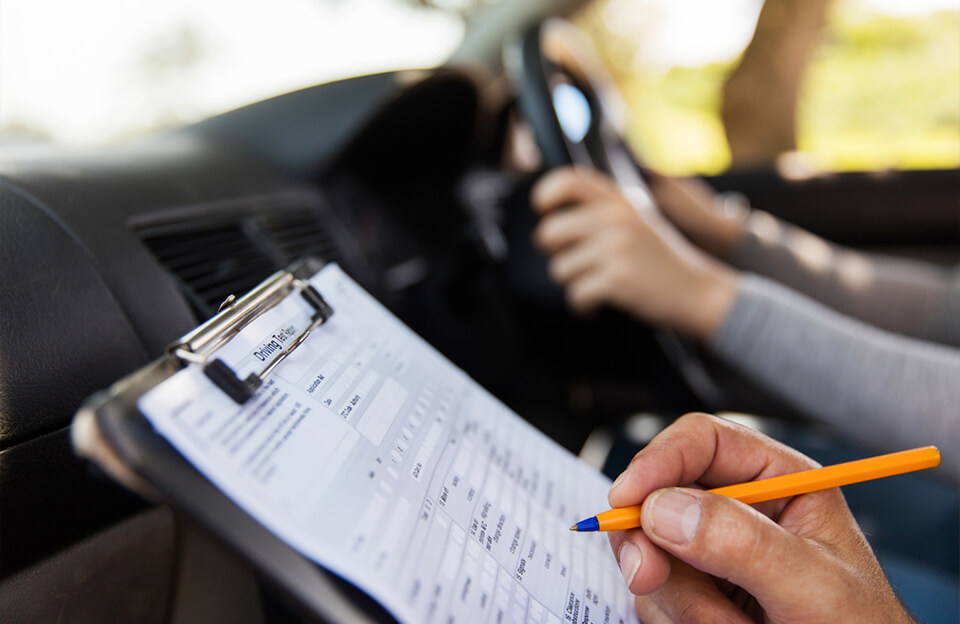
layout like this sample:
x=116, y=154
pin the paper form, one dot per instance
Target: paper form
x=374, y=456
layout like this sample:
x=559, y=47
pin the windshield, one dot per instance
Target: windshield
x=102, y=71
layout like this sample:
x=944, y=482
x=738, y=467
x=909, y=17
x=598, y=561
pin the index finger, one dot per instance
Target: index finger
x=571, y=185
x=704, y=450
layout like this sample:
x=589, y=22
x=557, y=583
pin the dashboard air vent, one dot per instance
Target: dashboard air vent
x=223, y=250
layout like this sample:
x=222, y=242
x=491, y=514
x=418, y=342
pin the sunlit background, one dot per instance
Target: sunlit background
x=882, y=90
x=101, y=71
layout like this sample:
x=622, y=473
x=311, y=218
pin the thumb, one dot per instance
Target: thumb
x=730, y=540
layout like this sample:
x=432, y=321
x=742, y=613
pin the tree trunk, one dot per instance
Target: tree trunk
x=760, y=96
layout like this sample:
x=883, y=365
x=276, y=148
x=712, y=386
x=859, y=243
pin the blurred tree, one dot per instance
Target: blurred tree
x=759, y=104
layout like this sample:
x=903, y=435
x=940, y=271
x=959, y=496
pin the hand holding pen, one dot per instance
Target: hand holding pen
x=785, y=486
x=801, y=558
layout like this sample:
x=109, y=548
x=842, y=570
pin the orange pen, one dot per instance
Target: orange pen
x=787, y=485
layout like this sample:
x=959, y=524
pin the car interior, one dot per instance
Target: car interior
x=410, y=181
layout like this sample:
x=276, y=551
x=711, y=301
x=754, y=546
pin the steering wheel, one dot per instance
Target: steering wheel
x=567, y=97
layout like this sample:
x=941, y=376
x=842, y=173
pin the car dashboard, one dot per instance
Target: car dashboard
x=112, y=254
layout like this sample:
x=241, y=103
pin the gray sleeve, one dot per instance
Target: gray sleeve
x=882, y=389
x=899, y=295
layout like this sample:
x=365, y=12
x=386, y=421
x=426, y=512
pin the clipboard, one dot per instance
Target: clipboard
x=110, y=430
x=387, y=469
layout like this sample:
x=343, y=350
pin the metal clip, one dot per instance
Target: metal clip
x=198, y=346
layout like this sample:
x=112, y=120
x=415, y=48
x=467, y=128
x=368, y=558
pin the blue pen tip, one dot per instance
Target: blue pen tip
x=590, y=524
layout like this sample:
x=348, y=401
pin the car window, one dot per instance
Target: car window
x=105, y=70
x=881, y=88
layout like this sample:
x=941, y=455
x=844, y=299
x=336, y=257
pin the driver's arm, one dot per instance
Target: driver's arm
x=908, y=297
x=880, y=388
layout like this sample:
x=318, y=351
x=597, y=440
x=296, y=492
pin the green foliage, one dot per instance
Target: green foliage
x=884, y=92
x=881, y=92
x=675, y=123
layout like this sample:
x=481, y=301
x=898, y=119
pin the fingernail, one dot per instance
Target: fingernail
x=617, y=482
x=674, y=515
x=629, y=557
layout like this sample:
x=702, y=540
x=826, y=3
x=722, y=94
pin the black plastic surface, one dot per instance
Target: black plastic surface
x=82, y=584
x=49, y=499
x=94, y=196
x=292, y=133
x=905, y=209
x=63, y=332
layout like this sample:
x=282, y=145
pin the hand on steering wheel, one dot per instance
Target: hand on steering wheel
x=567, y=100
x=605, y=252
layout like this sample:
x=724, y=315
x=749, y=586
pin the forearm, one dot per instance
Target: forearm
x=898, y=295
x=885, y=390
